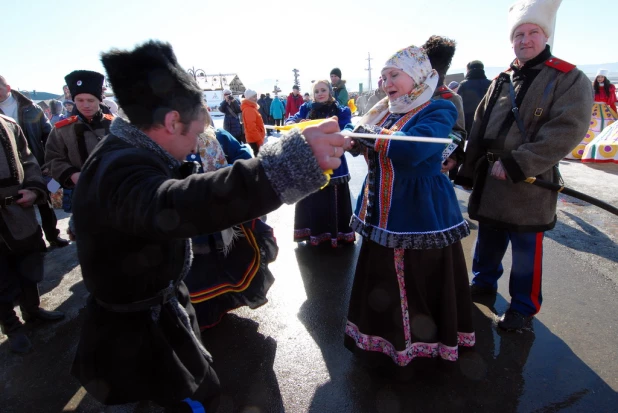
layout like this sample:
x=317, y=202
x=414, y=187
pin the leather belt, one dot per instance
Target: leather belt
x=9, y=200
x=161, y=298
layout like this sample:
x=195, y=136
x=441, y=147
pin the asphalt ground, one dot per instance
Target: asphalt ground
x=288, y=355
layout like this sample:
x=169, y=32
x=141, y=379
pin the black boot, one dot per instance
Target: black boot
x=514, y=320
x=41, y=314
x=13, y=328
x=58, y=242
x=30, y=301
x=19, y=342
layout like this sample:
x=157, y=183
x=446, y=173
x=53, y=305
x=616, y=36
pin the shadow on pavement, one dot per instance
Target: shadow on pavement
x=58, y=263
x=41, y=381
x=327, y=275
x=528, y=371
x=244, y=361
x=587, y=238
x=605, y=167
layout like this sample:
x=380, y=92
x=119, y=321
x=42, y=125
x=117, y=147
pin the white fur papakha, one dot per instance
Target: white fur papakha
x=414, y=62
x=539, y=12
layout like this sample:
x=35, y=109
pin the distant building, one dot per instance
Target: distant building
x=222, y=81
x=39, y=96
x=457, y=77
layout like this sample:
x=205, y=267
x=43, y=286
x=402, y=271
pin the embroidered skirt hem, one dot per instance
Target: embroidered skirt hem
x=325, y=216
x=409, y=303
x=412, y=240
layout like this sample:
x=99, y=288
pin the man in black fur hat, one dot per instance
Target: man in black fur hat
x=136, y=206
x=72, y=139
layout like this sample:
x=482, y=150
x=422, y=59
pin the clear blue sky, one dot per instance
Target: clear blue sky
x=264, y=40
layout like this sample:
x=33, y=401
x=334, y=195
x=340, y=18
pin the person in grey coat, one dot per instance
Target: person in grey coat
x=533, y=114
x=21, y=241
x=377, y=96
x=36, y=128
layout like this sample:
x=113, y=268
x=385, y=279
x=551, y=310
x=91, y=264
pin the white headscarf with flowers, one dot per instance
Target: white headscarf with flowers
x=414, y=62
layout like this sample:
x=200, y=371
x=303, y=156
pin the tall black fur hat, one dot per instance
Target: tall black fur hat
x=85, y=81
x=440, y=51
x=148, y=82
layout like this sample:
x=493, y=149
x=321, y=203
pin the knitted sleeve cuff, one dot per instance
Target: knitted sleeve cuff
x=512, y=168
x=291, y=167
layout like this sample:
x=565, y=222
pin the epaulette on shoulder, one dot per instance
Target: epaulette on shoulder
x=8, y=118
x=559, y=64
x=445, y=92
x=65, y=122
x=107, y=116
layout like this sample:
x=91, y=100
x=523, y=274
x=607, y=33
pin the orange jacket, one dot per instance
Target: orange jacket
x=254, y=125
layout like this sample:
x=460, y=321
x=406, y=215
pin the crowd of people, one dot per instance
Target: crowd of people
x=158, y=192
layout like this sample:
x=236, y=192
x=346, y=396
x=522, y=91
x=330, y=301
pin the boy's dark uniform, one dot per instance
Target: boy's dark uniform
x=73, y=139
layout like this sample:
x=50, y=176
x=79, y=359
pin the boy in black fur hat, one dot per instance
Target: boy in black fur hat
x=74, y=138
x=135, y=208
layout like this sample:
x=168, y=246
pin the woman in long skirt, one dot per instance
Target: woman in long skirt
x=230, y=267
x=325, y=215
x=410, y=296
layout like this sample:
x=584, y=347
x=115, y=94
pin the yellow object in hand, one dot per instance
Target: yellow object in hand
x=301, y=126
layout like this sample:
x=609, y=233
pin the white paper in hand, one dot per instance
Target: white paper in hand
x=53, y=186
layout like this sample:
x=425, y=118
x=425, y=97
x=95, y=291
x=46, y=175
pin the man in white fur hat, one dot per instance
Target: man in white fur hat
x=533, y=114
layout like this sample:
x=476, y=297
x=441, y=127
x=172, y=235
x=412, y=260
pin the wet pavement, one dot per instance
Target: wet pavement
x=288, y=355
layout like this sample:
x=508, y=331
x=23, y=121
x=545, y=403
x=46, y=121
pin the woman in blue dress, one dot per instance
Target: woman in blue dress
x=410, y=296
x=325, y=215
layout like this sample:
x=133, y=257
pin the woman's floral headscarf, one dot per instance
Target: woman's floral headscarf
x=414, y=62
x=210, y=150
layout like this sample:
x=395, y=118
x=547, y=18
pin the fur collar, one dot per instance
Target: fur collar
x=135, y=137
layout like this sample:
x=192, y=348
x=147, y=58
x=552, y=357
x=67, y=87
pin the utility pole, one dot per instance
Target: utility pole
x=296, y=82
x=369, y=59
x=276, y=89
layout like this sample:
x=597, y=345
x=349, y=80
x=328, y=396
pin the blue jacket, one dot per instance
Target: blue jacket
x=233, y=149
x=472, y=90
x=344, y=116
x=406, y=202
x=277, y=109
